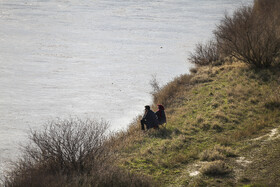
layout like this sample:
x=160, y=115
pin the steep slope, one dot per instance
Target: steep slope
x=223, y=129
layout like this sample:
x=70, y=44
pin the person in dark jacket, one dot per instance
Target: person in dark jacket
x=161, y=115
x=149, y=119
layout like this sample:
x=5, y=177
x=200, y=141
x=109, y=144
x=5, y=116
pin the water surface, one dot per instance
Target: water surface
x=92, y=58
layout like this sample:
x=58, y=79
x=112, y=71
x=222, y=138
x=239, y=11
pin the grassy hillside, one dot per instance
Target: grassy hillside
x=223, y=129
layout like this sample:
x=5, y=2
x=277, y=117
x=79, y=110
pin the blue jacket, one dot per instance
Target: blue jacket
x=150, y=119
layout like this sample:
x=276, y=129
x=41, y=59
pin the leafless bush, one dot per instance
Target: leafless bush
x=155, y=85
x=64, y=147
x=72, y=153
x=68, y=143
x=206, y=54
x=249, y=37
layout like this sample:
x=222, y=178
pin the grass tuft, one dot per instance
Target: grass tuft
x=216, y=168
x=218, y=152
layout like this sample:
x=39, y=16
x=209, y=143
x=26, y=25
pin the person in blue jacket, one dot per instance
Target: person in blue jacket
x=149, y=119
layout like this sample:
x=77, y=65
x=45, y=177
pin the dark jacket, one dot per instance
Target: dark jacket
x=161, y=117
x=150, y=119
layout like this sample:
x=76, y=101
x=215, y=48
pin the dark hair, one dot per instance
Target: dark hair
x=147, y=107
x=160, y=107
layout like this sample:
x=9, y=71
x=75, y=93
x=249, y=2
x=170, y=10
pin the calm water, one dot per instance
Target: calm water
x=92, y=58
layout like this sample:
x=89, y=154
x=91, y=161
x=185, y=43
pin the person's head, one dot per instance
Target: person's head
x=147, y=107
x=160, y=107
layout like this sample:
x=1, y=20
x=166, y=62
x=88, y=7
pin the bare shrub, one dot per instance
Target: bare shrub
x=216, y=168
x=72, y=153
x=249, y=37
x=155, y=85
x=206, y=54
x=68, y=143
x=62, y=147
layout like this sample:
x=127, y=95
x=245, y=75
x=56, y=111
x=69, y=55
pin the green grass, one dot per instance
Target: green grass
x=227, y=105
